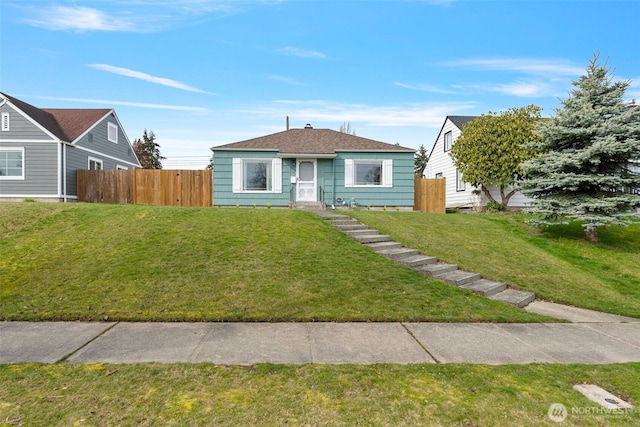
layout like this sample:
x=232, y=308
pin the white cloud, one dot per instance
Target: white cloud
x=426, y=88
x=146, y=77
x=536, y=66
x=77, y=18
x=286, y=80
x=302, y=53
x=140, y=16
x=109, y=103
x=428, y=115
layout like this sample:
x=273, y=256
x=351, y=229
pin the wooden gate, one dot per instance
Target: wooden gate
x=147, y=187
x=430, y=195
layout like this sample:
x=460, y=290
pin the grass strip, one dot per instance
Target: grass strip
x=268, y=395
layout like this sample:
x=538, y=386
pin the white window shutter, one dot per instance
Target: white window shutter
x=237, y=175
x=277, y=175
x=348, y=173
x=387, y=173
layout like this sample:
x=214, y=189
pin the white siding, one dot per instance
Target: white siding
x=440, y=162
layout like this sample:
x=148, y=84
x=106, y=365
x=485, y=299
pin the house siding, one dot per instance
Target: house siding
x=400, y=194
x=40, y=172
x=441, y=162
x=40, y=160
x=21, y=128
x=96, y=141
x=223, y=180
x=330, y=180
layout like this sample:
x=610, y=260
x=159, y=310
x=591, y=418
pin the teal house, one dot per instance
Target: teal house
x=313, y=167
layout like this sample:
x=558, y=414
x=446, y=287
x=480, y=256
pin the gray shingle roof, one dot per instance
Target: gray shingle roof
x=311, y=141
x=460, y=121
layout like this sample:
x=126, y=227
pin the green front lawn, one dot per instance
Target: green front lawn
x=310, y=395
x=144, y=263
x=558, y=264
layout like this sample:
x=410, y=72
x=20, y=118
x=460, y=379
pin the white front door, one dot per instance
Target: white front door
x=306, y=173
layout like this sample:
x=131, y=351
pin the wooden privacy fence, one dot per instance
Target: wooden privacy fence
x=147, y=187
x=429, y=195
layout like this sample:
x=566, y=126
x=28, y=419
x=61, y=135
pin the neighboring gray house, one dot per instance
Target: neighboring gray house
x=320, y=167
x=459, y=194
x=41, y=149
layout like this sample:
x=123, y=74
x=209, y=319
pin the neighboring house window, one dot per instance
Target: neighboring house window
x=368, y=173
x=439, y=175
x=121, y=168
x=95, y=164
x=257, y=175
x=460, y=185
x=448, y=141
x=12, y=163
x=112, y=132
x=6, y=122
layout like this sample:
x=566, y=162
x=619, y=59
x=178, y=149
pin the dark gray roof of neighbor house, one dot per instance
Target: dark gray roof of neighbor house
x=67, y=124
x=311, y=141
x=460, y=121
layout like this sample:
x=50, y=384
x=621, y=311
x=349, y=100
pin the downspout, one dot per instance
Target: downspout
x=333, y=181
x=64, y=172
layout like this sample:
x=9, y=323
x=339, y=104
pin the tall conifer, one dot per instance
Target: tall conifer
x=588, y=168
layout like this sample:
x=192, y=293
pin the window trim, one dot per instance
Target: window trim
x=386, y=178
x=6, y=122
x=450, y=137
x=460, y=184
x=122, y=168
x=14, y=177
x=238, y=175
x=96, y=160
x=112, y=127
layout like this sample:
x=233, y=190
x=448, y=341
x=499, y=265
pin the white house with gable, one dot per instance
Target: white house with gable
x=459, y=194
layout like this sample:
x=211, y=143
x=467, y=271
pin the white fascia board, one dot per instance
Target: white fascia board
x=306, y=156
x=346, y=150
x=38, y=125
x=243, y=149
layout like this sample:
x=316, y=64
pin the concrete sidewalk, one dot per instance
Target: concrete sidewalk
x=324, y=343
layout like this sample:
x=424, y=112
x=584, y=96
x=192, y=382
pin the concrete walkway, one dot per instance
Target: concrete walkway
x=323, y=343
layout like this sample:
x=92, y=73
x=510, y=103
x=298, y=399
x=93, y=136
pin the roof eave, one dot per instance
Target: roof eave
x=307, y=155
x=404, y=150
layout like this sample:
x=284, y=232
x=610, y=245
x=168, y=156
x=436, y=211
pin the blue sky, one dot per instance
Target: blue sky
x=201, y=73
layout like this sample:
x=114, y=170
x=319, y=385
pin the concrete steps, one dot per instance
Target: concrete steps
x=458, y=277
x=485, y=287
x=514, y=297
x=428, y=265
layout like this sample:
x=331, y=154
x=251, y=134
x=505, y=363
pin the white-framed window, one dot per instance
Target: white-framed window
x=121, y=168
x=439, y=175
x=460, y=185
x=95, y=164
x=257, y=175
x=448, y=141
x=368, y=173
x=112, y=132
x=12, y=163
x=6, y=122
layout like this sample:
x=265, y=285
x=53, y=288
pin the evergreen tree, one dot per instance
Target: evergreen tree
x=588, y=152
x=148, y=151
x=491, y=148
x=420, y=161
